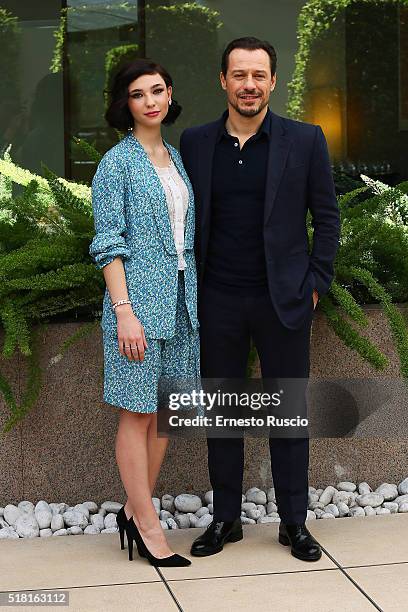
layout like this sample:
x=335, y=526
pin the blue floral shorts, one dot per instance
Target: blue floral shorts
x=136, y=385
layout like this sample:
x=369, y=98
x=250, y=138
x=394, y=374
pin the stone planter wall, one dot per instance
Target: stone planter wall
x=64, y=450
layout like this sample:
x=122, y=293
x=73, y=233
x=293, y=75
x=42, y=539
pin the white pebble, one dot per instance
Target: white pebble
x=75, y=517
x=75, y=530
x=167, y=503
x=8, y=533
x=111, y=506
x=364, y=488
x=165, y=514
x=327, y=495
x=357, y=511
x=83, y=509
x=26, y=506
x=392, y=506
x=97, y=521
x=244, y=521
x=327, y=515
x=201, y=511
x=209, y=497
x=343, y=496
x=110, y=521
x=343, y=509
x=256, y=495
x=268, y=519
x=388, y=491
x=346, y=486
x=60, y=532
x=403, y=487
x=399, y=500
x=270, y=495
x=12, y=513
x=187, y=502
x=57, y=522
x=370, y=499
x=204, y=521
x=92, y=530
x=45, y=533
x=110, y=530
x=27, y=526
x=248, y=506
x=92, y=506
x=380, y=510
x=183, y=521
x=333, y=509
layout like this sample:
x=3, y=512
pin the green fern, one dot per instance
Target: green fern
x=351, y=338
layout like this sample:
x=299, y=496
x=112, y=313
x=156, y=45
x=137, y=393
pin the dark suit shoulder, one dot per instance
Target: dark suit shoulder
x=200, y=130
x=296, y=126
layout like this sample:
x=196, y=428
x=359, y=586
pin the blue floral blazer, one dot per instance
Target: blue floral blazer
x=131, y=221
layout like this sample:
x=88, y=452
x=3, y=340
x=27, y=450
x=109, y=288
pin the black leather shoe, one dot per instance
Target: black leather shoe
x=303, y=544
x=215, y=536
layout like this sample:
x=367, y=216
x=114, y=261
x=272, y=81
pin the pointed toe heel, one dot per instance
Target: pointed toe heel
x=133, y=534
x=121, y=520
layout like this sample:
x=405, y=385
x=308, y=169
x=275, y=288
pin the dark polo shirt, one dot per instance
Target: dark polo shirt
x=236, y=259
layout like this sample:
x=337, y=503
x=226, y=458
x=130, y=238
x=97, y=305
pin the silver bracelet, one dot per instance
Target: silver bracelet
x=119, y=303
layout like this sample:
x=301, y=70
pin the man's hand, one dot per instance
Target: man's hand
x=131, y=336
x=315, y=298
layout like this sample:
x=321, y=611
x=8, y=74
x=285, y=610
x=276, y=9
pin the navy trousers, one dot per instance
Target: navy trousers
x=227, y=323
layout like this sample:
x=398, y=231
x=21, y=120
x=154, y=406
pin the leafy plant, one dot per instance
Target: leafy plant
x=315, y=18
x=371, y=265
x=45, y=268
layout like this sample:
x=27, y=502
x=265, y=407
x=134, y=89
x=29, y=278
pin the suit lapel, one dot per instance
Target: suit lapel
x=205, y=161
x=279, y=146
x=157, y=196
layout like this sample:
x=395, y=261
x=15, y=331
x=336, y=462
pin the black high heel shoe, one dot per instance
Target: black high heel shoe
x=133, y=534
x=121, y=520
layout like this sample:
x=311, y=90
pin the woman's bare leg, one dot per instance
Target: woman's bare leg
x=156, y=448
x=133, y=462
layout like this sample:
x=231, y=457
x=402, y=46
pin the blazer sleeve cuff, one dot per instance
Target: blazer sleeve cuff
x=105, y=248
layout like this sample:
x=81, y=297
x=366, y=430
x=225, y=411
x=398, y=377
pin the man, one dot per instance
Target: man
x=255, y=175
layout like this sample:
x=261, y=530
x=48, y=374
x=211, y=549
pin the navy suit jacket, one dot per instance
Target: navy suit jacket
x=299, y=178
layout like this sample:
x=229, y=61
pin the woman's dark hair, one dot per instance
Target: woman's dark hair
x=251, y=43
x=118, y=114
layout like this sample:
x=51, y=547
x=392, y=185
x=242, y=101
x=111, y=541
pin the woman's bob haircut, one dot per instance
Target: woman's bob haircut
x=118, y=114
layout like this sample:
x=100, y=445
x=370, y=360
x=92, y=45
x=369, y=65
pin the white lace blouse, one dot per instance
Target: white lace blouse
x=177, y=202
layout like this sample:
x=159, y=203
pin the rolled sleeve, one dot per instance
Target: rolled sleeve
x=108, y=204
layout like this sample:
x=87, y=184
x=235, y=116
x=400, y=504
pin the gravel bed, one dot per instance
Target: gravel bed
x=186, y=510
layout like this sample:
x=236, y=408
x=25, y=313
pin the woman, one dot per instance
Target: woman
x=144, y=236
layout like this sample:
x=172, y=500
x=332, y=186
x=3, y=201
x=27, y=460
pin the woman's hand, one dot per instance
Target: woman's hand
x=131, y=336
x=315, y=298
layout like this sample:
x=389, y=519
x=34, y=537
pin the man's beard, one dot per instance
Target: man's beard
x=248, y=112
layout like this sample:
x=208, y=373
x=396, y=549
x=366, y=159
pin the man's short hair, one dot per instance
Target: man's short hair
x=251, y=43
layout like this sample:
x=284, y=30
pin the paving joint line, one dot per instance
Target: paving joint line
x=358, y=587
x=172, y=595
x=305, y=571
